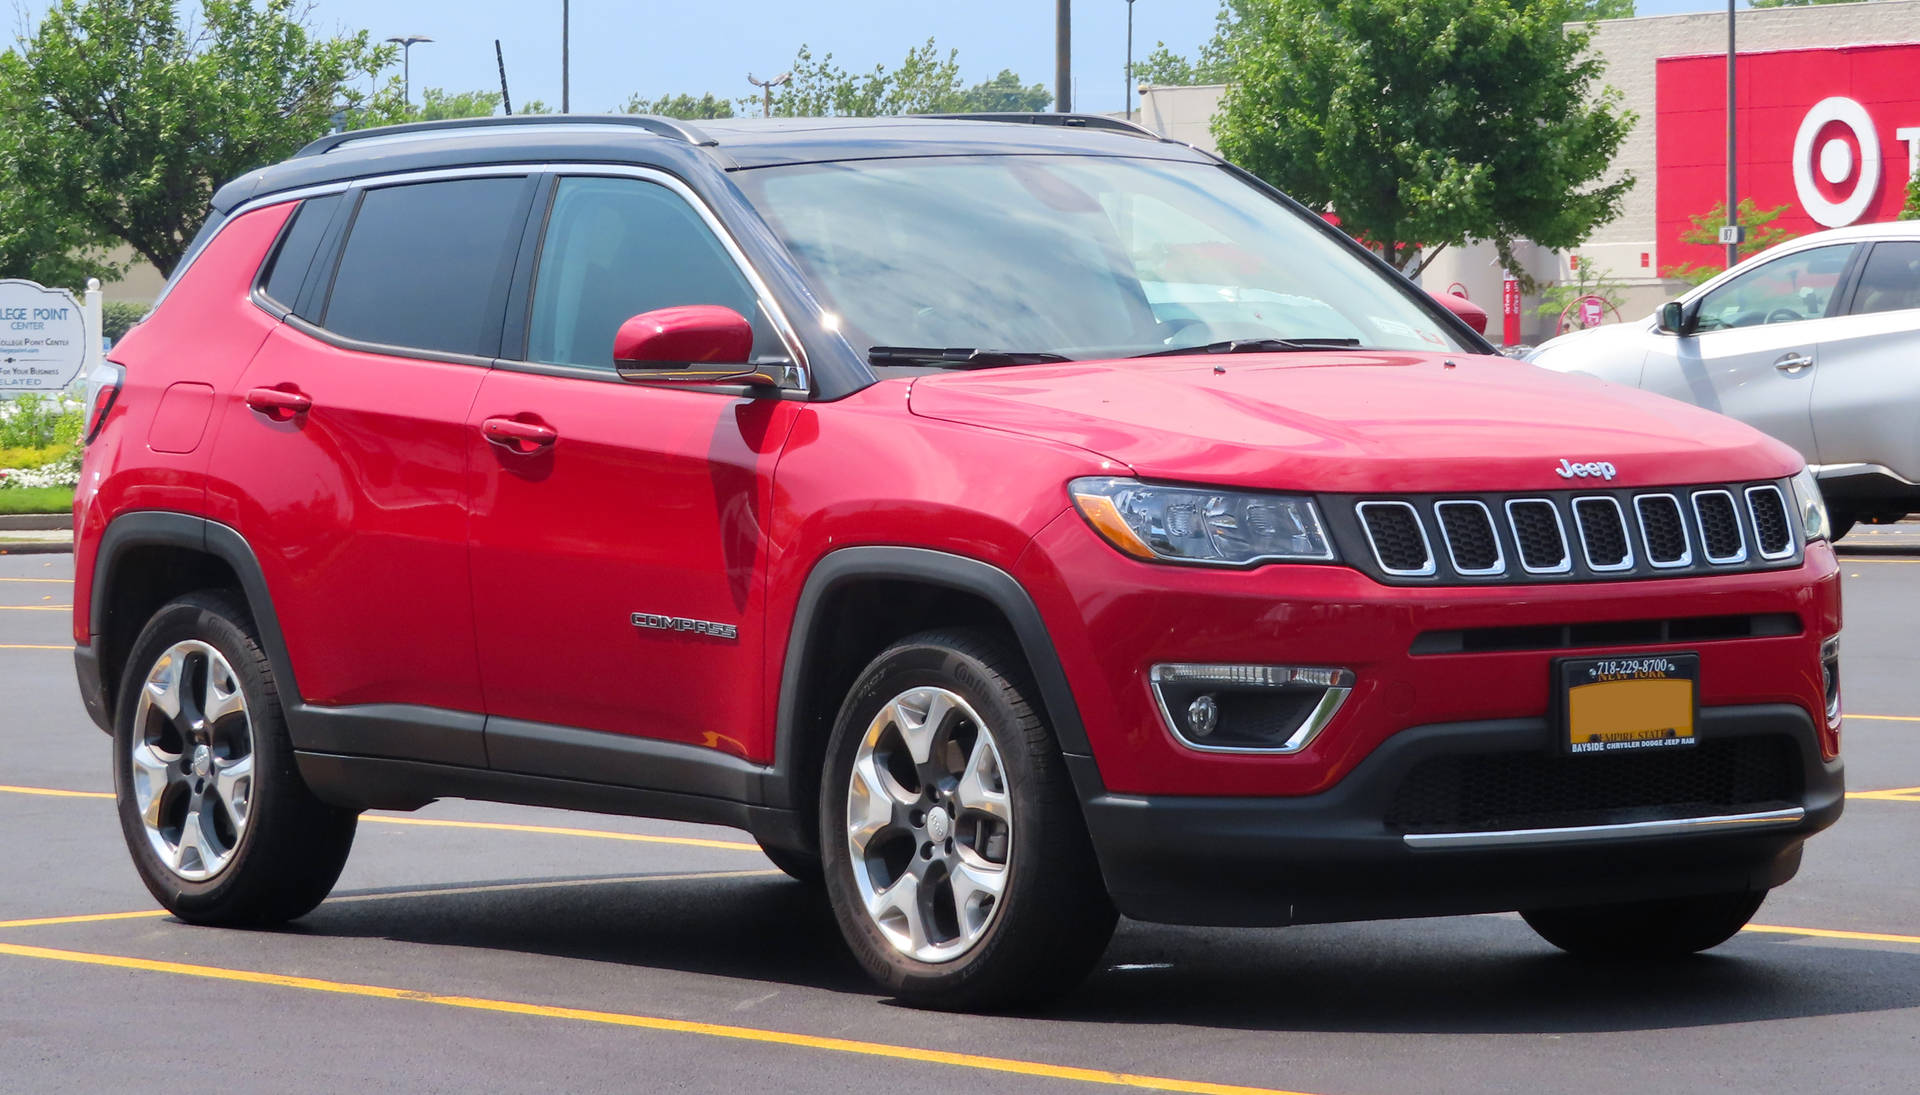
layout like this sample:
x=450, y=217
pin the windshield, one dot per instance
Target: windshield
x=1074, y=255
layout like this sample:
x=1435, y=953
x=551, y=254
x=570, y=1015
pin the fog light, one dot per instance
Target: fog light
x=1248, y=708
x=1203, y=715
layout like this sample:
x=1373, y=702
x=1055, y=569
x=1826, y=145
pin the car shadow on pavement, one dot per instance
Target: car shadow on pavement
x=1477, y=974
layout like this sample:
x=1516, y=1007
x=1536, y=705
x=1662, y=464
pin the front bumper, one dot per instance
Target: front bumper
x=1335, y=856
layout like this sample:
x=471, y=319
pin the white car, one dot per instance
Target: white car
x=1815, y=341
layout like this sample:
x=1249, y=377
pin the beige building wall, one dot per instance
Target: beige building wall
x=141, y=283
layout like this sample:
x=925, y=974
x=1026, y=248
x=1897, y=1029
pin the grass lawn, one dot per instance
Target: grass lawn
x=36, y=500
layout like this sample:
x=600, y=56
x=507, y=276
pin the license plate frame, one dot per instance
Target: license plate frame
x=1626, y=703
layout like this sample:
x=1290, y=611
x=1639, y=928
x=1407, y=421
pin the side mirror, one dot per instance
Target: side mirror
x=1474, y=315
x=691, y=344
x=1673, y=318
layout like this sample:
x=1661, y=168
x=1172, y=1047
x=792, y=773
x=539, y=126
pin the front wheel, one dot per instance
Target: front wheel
x=956, y=859
x=1669, y=928
x=221, y=827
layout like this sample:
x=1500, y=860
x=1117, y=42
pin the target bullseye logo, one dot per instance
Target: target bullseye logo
x=1835, y=162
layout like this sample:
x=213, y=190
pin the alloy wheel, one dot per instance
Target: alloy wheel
x=192, y=760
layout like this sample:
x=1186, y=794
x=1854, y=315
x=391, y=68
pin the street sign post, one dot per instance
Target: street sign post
x=43, y=338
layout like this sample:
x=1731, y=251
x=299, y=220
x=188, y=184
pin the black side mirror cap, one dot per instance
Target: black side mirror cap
x=1673, y=318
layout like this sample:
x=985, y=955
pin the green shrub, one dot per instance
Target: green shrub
x=117, y=317
x=34, y=456
x=34, y=422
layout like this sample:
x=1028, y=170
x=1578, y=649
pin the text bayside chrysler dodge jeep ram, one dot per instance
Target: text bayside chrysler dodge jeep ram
x=1007, y=524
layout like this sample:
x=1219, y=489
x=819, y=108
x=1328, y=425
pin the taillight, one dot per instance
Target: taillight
x=103, y=387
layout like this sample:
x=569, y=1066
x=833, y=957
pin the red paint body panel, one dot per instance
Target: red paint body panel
x=206, y=334
x=1357, y=422
x=357, y=512
x=649, y=500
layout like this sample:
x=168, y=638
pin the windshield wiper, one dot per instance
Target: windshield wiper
x=1259, y=346
x=959, y=357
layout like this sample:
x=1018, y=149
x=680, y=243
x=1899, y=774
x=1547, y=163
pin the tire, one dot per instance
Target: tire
x=1007, y=907
x=1670, y=928
x=221, y=827
x=798, y=866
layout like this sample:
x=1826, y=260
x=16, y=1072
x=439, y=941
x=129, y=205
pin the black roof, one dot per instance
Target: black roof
x=728, y=143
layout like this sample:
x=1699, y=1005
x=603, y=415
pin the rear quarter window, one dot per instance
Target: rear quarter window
x=299, y=242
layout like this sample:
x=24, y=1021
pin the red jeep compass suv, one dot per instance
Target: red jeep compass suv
x=1009, y=525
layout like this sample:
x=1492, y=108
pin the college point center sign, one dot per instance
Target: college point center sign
x=1832, y=134
x=43, y=338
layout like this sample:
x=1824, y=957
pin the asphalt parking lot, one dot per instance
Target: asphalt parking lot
x=477, y=947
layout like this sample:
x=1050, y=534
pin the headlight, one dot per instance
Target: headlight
x=1813, y=508
x=1198, y=525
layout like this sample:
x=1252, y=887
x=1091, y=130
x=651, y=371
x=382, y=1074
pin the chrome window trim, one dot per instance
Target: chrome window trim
x=1626, y=533
x=1427, y=571
x=1493, y=528
x=1565, y=565
x=1706, y=552
x=1686, y=533
x=1632, y=830
x=801, y=372
x=1786, y=513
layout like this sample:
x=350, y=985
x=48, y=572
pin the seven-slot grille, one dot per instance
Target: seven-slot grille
x=1591, y=535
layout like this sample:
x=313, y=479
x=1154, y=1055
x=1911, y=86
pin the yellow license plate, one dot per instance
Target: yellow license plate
x=1617, y=704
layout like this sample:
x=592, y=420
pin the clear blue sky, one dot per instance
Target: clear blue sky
x=621, y=47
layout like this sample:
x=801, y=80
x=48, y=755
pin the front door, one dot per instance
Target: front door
x=1756, y=345
x=618, y=554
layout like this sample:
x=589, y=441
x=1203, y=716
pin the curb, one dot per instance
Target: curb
x=30, y=547
x=35, y=522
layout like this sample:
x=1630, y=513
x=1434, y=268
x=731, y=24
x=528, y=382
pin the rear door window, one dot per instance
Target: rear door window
x=425, y=265
x=1890, y=282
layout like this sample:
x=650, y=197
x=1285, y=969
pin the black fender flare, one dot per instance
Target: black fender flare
x=939, y=568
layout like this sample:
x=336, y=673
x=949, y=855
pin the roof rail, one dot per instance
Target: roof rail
x=1039, y=117
x=671, y=128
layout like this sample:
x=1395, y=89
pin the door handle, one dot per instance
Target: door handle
x=1793, y=363
x=517, y=436
x=279, y=404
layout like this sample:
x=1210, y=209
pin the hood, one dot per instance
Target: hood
x=1357, y=422
x=1614, y=351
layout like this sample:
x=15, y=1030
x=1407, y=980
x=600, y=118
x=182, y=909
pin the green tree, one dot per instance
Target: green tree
x=1165, y=68
x=1589, y=10
x=1762, y=233
x=125, y=114
x=1424, y=123
x=924, y=83
x=1911, y=211
x=680, y=106
x=1588, y=281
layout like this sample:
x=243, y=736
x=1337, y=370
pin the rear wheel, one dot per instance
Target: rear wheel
x=221, y=827
x=956, y=859
x=1668, y=928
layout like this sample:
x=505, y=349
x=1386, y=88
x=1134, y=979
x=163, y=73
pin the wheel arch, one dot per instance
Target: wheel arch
x=148, y=558
x=817, y=671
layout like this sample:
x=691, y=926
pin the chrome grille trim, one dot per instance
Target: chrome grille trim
x=1366, y=526
x=1740, y=531
x=1560, y=527
x=1786, y=516
x=1499, y=552
x=1586, y=542
x=1680, y=514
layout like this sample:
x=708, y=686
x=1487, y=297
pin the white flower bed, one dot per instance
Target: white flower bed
x=60, y=473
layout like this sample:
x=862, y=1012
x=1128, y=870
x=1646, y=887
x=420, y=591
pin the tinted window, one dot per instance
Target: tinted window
x=618, y=247
x=424, y=265
x=297, y=246
x=1891, y=280
x=1785, y=290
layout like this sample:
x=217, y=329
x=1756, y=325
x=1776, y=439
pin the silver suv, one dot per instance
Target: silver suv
x=1816, y=341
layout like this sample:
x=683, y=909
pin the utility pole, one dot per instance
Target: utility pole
x=766, y=90
x=406, y=43
x=566, y=59
x=1062, y=56
x=1732, y=233
x=1129, y=60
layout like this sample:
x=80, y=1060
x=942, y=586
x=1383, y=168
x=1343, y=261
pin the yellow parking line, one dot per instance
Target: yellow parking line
x=90, y=918
x=43, y=581
x=1887, y=718
x=36, y=608
x=32, y=646
x=975, y=1062
x=500, y=826
x=1829, y=933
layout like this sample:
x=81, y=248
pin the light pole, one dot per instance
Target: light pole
x=766, y=90
x=1731, y=233
x=1062, y=56
x=566, y=58
x=1129, y=60
x=406, y=43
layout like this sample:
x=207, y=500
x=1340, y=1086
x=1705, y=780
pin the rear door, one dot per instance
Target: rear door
x=617, y=571
x=1866, y=391
x=1756, y=345
x=343, y=457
